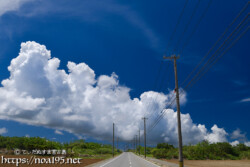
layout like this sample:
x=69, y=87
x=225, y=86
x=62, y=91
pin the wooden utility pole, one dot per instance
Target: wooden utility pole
x=117, y=139
x=145, y=135
x=113, y=140
x=174, y=57
x=139, y=144
x=135, y=143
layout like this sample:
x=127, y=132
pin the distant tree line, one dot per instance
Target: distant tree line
x=78, y=147
x=203, y=151
x=28, y=143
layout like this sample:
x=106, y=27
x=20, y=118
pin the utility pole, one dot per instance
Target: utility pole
x=113, y=139
x=174, y=57
x=145, y=140
x=139, y=144
x=135, y=143
x=117, y=142
x=132, y=144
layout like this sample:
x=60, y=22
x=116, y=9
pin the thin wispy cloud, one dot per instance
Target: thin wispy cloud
x=246, y=100
x=11, y=5
x=132, y=17
x=95, y=12
x=239, y=83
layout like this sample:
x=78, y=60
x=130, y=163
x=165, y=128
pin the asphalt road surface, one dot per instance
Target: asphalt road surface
x=127, y=160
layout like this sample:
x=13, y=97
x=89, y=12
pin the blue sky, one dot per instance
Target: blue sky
x=130, y=38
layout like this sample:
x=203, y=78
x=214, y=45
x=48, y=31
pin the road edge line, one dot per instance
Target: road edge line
x=111, y=160
x=146, y=160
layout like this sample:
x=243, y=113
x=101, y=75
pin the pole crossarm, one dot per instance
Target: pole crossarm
x=171, y=57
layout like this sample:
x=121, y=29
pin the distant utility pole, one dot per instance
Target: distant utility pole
x=135, y=143
x=117, y=142
x=132, y=144
x=145, y=140
x=174, y=57
x=113, y=139
x=139, y=144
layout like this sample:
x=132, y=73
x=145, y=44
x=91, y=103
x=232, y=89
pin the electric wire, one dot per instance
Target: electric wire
x=221, y=47
x=177, y=24
x=196, y=26
x=240, y=36
x=218, y=40
x=225, y=42
x=172, y=35
x=187, y=25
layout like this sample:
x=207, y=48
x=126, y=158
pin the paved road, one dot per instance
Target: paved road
x=127, y=160
x=164, y=163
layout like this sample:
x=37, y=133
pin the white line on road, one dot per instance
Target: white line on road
x=111, y=161
x=130, y=165
x=146, y=160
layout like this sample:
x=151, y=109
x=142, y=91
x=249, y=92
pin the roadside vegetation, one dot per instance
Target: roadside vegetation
x=78, y=148
x=200, y=151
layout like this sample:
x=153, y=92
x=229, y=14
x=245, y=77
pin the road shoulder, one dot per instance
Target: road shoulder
x=160, y=162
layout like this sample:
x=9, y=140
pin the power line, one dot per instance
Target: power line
x=154, y=100
x=158, y=75
x=240, y=36
x=171, y=37
x=221, y=47
x=187, y=25
x=193, y=13
x=218, y=40
x=177, y=24
x=226, y=41
x=181, y=93
x=158, y=119
x=196, y=26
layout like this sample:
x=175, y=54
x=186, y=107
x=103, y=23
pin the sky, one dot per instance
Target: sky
x=69, y=69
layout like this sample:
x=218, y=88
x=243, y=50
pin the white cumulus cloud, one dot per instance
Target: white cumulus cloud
x=235, y=143
x=58, y=132
x=236, y=134
x=79, y=102
x=3, y=131
x=247, y=143
x=217, y=135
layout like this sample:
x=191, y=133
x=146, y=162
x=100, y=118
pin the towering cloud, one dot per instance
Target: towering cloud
x=77, y=101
